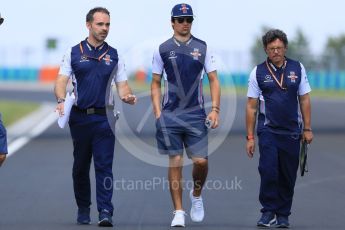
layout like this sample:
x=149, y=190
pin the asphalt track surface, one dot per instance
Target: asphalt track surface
x=36, y=182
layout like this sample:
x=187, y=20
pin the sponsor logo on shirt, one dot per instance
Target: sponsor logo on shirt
x=196, y=54
x=268, y=78
x=292, y=77
x=107, y=59
x=172, y=55
x=84, y=59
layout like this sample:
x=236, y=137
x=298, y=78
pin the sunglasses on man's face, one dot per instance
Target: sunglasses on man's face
x=183, y=19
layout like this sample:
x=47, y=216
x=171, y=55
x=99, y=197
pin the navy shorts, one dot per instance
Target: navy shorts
x=3, y=139
x=178, y=132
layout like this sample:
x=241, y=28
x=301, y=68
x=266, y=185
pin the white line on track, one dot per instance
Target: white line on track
x=37, y=130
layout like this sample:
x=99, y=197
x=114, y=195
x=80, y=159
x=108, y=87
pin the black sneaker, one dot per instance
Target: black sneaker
x=83, y=216
x=282, y=222
x=105, y=219
x=267, y=219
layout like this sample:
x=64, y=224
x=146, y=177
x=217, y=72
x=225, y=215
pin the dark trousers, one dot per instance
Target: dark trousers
x=92, y=137
x=3, y=138
x=278, y=165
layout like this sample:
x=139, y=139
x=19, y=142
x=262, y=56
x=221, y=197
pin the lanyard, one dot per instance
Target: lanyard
x=95, y=58
x=280, y=83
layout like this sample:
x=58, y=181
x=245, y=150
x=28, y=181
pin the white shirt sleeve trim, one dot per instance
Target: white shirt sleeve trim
x=304, y=86
x=121, y=74
x=157, y=63
x=65, y=66
x=254, y=90
x=210, y=62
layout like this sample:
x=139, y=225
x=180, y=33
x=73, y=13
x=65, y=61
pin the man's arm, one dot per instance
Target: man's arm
x=125, y=92
x=2, y=158
x=156, y=94
x=215, y=97
x=251, y=111
x=60, y=92
x=305, y=107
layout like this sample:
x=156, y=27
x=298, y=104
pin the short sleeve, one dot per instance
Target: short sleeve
x=254, y=90
x=304, y=86
x=120, y=74
x=157, y=63
x=65, y=66
x=210, y=62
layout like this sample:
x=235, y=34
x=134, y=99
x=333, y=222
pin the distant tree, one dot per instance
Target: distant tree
x=299, y=49
x=333, y=56
x=257, y=50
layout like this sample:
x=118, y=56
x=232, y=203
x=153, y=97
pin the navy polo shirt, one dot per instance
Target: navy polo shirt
x=91, y=70
x=183, y=65
x=279, y=110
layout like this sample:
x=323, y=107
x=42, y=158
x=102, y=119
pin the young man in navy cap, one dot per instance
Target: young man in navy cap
x=94, y=67
x=3, y=137
x=279, y=88
x=180, y=117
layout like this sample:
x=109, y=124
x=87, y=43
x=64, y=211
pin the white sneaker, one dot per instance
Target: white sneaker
x=178, y=220
x=197, y=212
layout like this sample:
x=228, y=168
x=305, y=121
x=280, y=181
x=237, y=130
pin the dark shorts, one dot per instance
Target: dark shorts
x=3, y=139
x=178, y=132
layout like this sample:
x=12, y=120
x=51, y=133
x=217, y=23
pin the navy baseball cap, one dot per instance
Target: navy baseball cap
x=182, y=10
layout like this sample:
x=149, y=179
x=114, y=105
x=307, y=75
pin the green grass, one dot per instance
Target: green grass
x=12, y=111
x=328, y=94
x=242, y=91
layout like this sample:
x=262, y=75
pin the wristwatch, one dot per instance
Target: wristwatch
x=60, y=100
x=307, y=130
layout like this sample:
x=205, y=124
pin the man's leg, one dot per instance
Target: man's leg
x=3, y=143
x=268, y=169
x=288, y=166
x=169, y=141
x=175, y=180
x=200, y=170
x=81, y=173
x=196, y=143
x=103, y=153
x=2, y=158
x=82, y=153
x=175, y=184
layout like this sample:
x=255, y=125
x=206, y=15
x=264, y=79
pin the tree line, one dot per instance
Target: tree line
x=332, y=57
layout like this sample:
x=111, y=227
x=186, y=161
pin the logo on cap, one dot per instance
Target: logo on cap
x=184, y=8
x=181, y=10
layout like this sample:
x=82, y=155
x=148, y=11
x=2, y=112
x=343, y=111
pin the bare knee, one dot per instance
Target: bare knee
x=176, y=161
x=200, y=162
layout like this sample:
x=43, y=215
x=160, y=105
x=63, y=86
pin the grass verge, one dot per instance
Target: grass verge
x=12, y=111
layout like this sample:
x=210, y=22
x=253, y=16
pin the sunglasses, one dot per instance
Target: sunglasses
x=183, y=19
